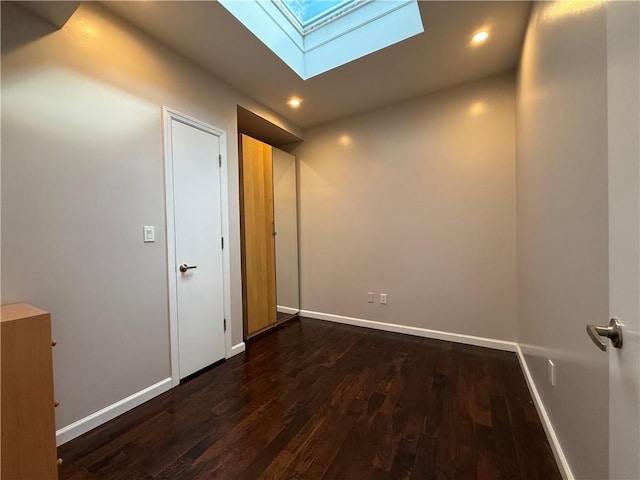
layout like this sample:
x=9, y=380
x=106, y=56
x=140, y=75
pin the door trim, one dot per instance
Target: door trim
x=169, y=114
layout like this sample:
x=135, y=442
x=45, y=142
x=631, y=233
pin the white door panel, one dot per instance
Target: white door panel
x=198, y=234
x=623, y=57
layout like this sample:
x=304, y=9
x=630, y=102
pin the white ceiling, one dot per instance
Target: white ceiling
x=438, y=58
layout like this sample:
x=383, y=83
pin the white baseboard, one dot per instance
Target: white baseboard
x=419, y=332
x=561, y=460
x=108, y=413
x=236, y=349
x=283, y=309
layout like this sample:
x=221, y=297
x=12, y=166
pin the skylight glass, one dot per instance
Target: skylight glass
x=309, y=11
x=314, y=36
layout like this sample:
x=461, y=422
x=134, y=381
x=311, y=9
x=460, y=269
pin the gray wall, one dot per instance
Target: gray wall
x=81, y=174
x=562, y=222
x=417, y=201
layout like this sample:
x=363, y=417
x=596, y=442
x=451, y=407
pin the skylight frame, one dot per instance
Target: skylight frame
x=346, y=35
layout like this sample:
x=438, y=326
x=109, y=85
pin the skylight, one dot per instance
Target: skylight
x=314, y=36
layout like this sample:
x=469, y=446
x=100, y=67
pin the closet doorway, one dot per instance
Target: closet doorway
x=269, y=231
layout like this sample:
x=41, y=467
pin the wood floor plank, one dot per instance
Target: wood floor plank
x=424, y=465
x=488, y=459
x=314, y=399
x=504, y=439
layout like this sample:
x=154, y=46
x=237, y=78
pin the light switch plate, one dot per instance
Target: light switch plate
x=149, y=234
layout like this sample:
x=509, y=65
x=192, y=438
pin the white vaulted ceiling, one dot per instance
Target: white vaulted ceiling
x=442, y=56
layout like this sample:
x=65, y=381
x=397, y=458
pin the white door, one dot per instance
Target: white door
x=623, y=57
x=199, y=298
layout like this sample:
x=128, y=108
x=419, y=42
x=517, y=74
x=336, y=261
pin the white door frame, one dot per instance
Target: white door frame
x=169, y=114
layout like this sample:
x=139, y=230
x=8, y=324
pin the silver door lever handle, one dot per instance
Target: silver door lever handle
x=184, y=267
x=613, y=331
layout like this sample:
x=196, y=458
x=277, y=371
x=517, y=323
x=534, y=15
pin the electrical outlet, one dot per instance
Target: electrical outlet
x=552, y=373
x=383, y=298
x=370, y=297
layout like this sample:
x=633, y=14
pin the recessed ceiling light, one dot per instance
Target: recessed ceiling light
x=344, y=140
x=480, y=37
x=294, y=102
x=477, y=108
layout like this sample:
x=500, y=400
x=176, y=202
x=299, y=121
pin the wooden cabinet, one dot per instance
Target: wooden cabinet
x=27, y=415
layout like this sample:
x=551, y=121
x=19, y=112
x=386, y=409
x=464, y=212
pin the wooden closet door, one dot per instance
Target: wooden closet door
x=259, y=252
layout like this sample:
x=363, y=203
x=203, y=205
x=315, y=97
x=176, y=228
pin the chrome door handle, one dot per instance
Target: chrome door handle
x=184, y=267
x=613, y=331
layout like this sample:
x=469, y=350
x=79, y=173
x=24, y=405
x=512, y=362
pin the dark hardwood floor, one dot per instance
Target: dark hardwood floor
x=314, y=399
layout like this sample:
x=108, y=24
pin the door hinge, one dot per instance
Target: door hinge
x=224, y=323
x=222, y=242
x=220, y=160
